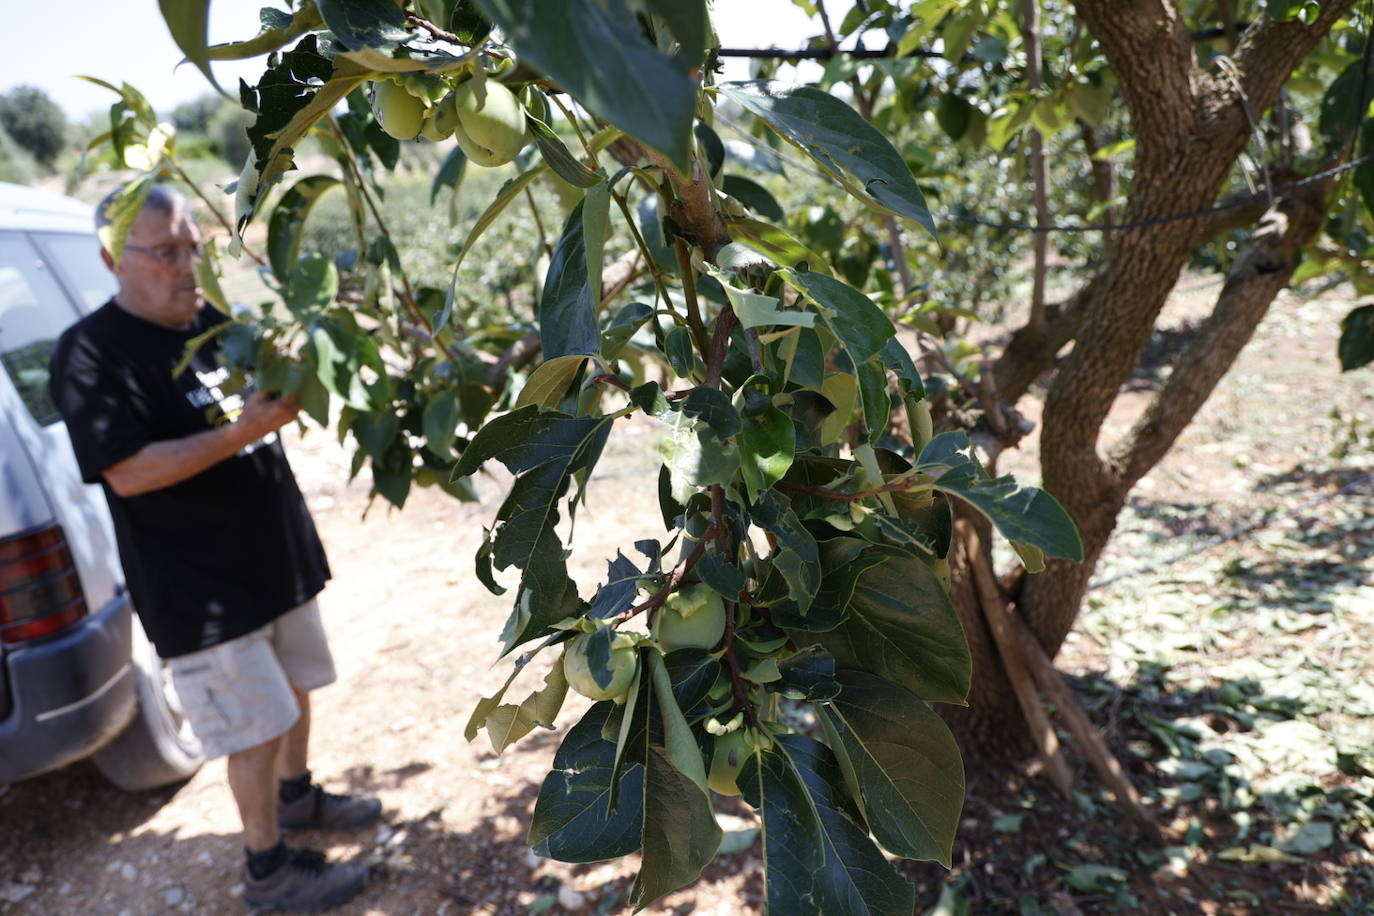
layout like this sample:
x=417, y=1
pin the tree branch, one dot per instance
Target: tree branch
x=1260, y=271
x=1150, y=50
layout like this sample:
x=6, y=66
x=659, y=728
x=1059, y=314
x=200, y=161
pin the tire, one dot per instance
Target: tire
x=158, y=747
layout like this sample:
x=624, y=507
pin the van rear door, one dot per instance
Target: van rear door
x=45, y=286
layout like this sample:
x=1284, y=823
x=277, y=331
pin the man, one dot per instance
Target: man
x=220, y=553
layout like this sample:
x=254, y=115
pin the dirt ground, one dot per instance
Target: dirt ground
x=415, y=637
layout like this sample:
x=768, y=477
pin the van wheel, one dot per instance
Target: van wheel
x=158, y=747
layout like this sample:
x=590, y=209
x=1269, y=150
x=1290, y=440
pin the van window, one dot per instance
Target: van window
x=76, y=257
x=33, y=312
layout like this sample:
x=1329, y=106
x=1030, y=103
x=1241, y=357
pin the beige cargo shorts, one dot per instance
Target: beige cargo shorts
x=237, y=695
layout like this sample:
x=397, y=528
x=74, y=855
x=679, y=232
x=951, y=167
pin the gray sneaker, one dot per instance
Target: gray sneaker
x=304, y=883
x=321, y=810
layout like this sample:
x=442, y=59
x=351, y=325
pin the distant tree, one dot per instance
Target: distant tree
x=227, y=128
x=16, y=165
x=34, y=121
x=194, y=116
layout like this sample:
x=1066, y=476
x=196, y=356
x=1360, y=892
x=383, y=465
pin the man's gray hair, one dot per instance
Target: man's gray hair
x=161, y=198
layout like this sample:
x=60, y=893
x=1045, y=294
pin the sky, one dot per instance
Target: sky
x=126, y=40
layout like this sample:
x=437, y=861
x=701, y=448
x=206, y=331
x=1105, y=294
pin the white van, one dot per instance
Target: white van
x=77, y=676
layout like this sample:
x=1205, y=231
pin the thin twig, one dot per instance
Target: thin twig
x=901, y=484
x=539, y=224
x=689, y=293
x=572, y=119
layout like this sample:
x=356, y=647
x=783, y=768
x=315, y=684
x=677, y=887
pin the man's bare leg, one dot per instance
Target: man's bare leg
x=294, y=757
x=252, y=780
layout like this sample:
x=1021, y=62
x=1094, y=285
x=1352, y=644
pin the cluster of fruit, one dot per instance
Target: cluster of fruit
x=484, y=116
x=690, y=618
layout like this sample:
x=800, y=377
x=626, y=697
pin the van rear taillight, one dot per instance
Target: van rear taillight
x=39, y=590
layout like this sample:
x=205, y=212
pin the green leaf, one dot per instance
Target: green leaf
x=440, y=422
x=122, y=212
x=557, y=157
x=274, y=35
x=778, y=244
x=548, y=384
x=1025, y=515
x=843, y=561
x=689, y=25
x=862, y=328
x=339, y=358
x=847, y=147
x=487, y=705
x=808, y=674
x=450, y=174
x=1356, y=347
x=693, y=672
x=311, y=286
x=817, y=859
x=618, y=594
x=841, y=390
x=1345, y=103
x=695, y=456
x=359, y=24
x=375, y=432
x=544, y=451
x=677, y=345
x=288, y=219
x=713, y=407
x=677, y=735
x=755, y=310
x=797, y=557
x=596, y=214
x=1305, y=11
x=681, y=835
x=874, y=396
x=623, y=326
x=754, y=196
x=189, y=23
x=314, y=399
x=724, y=578
x=573, y=820
x=906, y=763
x=766, y=444
x=597, y=52
x=507, y=724
x=901, y=626
x=288, y=100
x=953, y=115
x=567, y=308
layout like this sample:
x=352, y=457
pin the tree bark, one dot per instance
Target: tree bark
x=1190, y=127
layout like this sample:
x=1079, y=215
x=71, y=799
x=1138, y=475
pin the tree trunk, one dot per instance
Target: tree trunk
x=1190, y=127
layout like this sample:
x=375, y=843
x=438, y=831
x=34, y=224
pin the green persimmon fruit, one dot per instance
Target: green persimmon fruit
x=727, y=759
x=442, y=120
x=491, y=132
x=624, y=661
x=691, y=618
x=400, y=113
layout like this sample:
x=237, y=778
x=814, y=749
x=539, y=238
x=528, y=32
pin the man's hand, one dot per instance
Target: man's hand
x=264, y=413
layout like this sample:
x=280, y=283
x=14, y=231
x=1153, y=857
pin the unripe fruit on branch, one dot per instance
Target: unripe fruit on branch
x=727, y=759
x=400, y=113
x=442, y=120
x=577, y=669
x=490, y=132
x=691, y=618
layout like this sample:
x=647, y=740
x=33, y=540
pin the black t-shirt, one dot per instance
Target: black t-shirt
x=219, y=554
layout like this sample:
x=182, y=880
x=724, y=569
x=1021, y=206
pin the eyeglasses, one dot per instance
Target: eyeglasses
x=171, y=255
